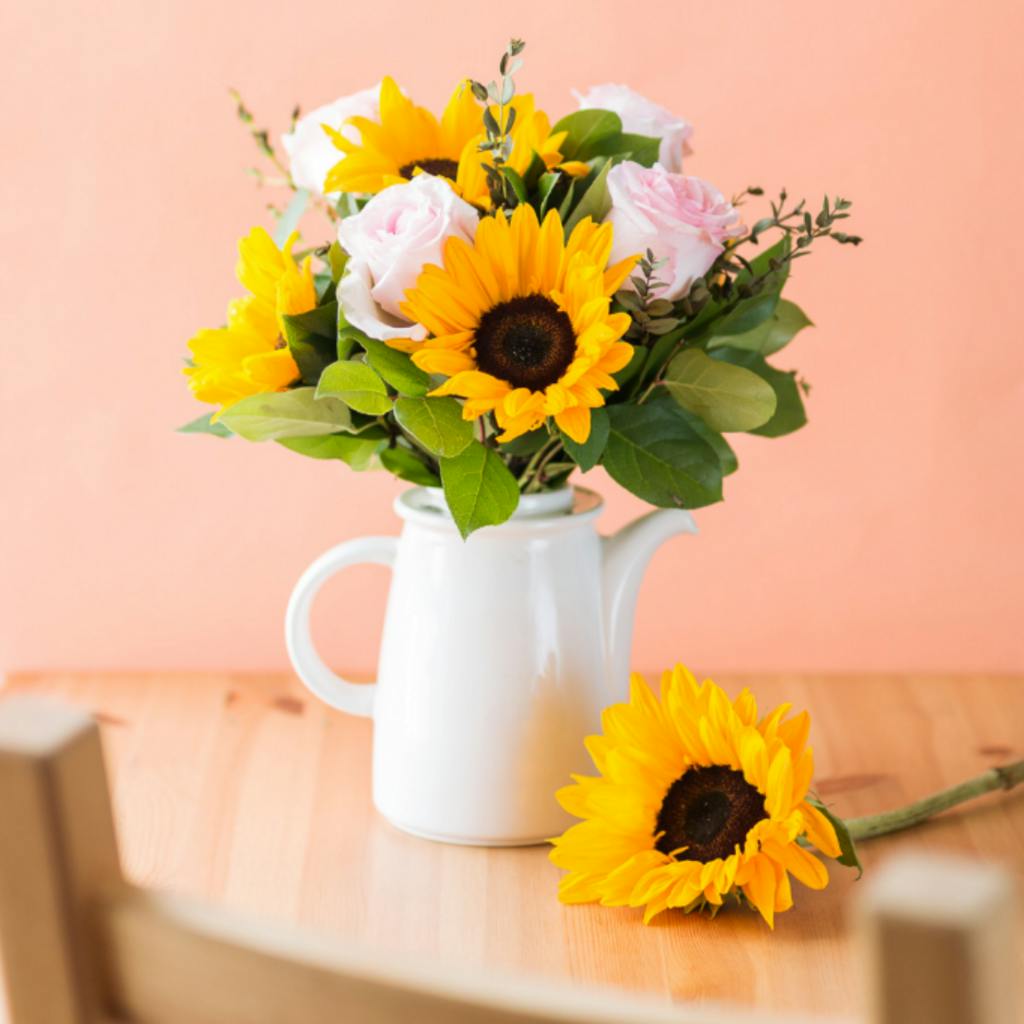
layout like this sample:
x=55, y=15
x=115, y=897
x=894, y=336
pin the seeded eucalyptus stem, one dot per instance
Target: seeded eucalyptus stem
x=873, y=825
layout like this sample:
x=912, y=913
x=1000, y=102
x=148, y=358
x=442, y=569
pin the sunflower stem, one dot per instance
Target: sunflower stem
x=550, y=451
x=874, y=825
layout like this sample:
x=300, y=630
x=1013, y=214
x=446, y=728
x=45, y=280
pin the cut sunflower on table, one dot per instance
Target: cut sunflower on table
x=409, y=140
x=520, y=322
x=697, y=800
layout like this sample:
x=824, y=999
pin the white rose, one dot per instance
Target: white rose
x=682, y=220
x=311, y=152
x=397, y=233
x=641, y=116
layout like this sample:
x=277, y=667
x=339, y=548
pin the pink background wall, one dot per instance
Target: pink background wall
x=884, y=536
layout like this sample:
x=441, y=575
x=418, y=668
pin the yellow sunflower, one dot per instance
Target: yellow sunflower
x=250, y=356
x=696, y=799
x=409, y=140
x=519, y=321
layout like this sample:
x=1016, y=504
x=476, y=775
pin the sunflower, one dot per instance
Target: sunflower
x=250, y=356
x=696, y=799
x=409, y=140
x=519, y=322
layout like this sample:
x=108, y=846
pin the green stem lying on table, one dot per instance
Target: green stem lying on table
x=872, y=825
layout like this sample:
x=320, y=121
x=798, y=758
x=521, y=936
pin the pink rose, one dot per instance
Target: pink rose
x=682, y=220
x=641, y=116
x=397, y=233
x=310, y=151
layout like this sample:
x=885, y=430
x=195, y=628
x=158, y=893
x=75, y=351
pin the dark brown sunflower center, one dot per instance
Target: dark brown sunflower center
x=440, y=166
x=527, y=341
x=709, y=811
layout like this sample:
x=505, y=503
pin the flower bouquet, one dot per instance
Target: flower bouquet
x=507, y=300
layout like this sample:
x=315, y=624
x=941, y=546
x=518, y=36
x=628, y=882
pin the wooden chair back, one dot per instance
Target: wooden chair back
x=80, y=945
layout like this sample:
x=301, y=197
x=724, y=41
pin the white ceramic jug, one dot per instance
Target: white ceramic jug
x=498, y=654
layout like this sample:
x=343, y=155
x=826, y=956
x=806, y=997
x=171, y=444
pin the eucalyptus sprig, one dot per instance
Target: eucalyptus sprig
x=261, y=136
x=651, y=317
x=498, y=141
x=803, y=226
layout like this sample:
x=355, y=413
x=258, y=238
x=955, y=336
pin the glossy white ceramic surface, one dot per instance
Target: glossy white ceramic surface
x=497, y=657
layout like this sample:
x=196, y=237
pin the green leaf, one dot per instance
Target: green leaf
x=630, y=371
x=746, y=314
x=771, y=335
x=587, y=130
x=726, y=456
x=436, y=423
x=596, y=201
x=406, y=466
x=359, y=386
x=205, y=425
x=311, y=338
x=479, y=488
x=790, y=414
x=588, y=454
x=397, y=368
x=553, y=190
x=289, y=220
x=655, y=454
x=847, y=848
x=357, y=450
x=337, y=259
x=277, y=414
x=517, y=183
x=641, y=149
x=526, y=444
x=724, y=396
x=704, y=324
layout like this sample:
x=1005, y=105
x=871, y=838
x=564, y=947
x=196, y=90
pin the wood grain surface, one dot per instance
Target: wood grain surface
x=246, y=791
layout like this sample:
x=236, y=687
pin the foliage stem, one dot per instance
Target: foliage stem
x=874, y=825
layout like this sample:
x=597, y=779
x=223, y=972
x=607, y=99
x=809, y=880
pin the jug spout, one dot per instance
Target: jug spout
x=626, y=556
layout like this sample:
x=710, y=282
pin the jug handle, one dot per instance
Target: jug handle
x=354, y=698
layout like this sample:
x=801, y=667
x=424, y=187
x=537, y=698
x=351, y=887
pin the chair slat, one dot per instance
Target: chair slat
x=939, y=943
x=57, y=851
x=172, y=960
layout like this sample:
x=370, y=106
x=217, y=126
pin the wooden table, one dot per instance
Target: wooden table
x=246, y=791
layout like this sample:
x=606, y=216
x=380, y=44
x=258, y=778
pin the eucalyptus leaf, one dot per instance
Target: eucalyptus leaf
x=479, y=488
x=359, y=451
x=205, y=425
x=588, y=454
x=587, y=130
x=724, y=396
x=596, y=200
x=436, y=423
x=789, y=414
x=278, y=414
x=406, y=466
x=655, y=454
x=359, y=386
x=397, y=368
x=773, y=334
x=289, y=220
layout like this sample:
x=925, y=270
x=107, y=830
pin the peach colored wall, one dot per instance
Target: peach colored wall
x=885, y=536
